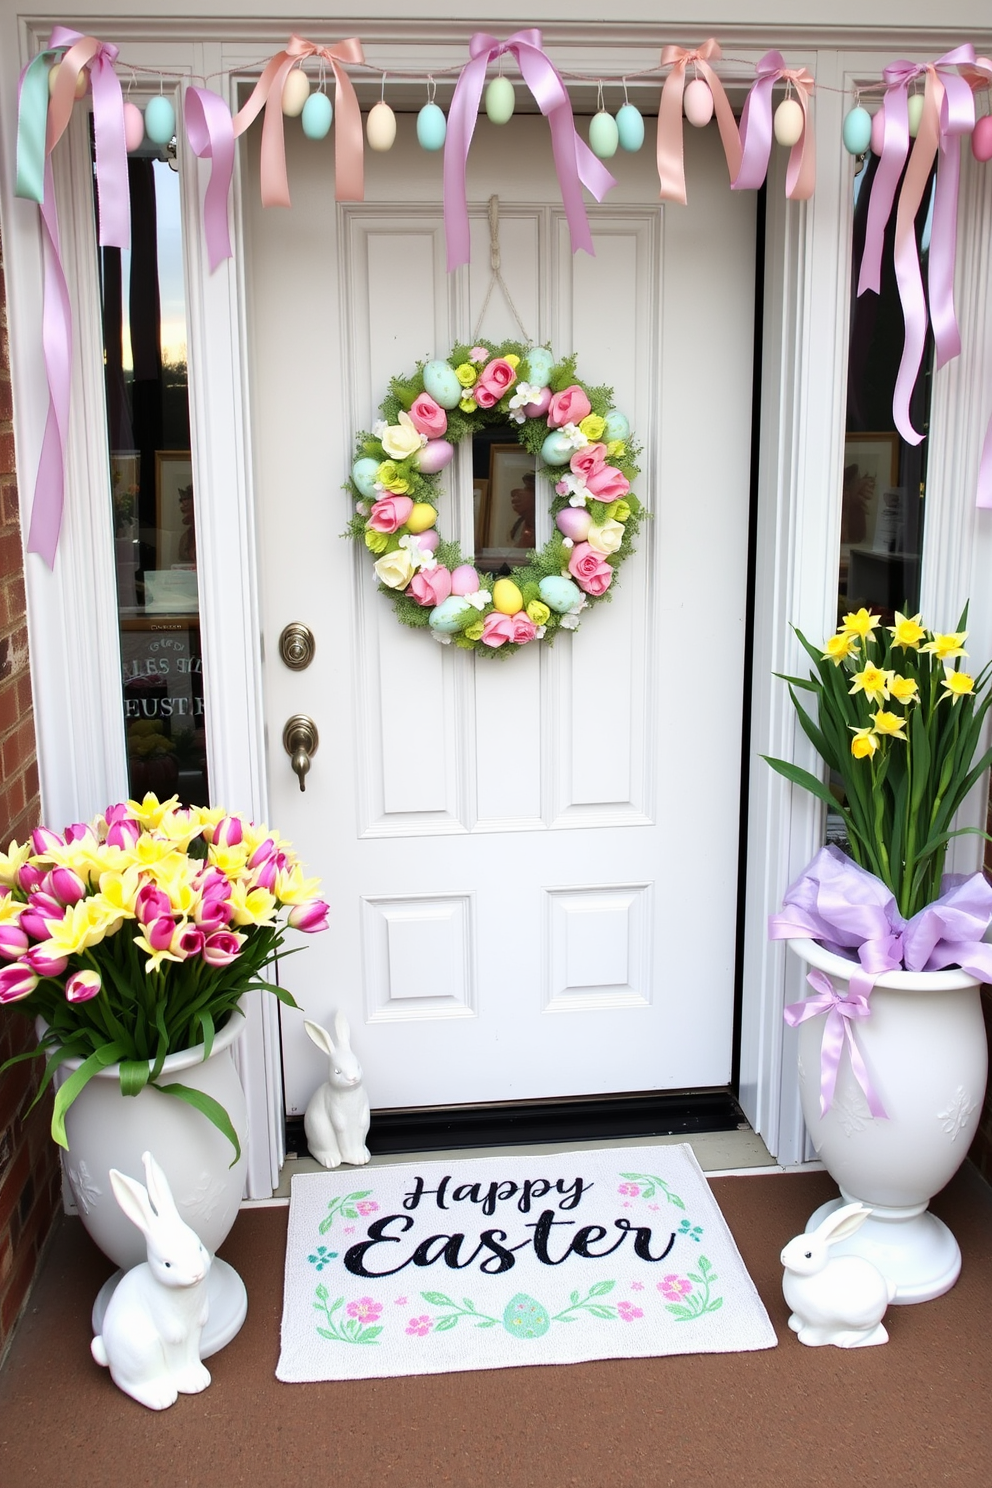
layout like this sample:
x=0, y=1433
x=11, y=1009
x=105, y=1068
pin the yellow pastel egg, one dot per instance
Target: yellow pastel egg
x=422, y=517
x=507, y=597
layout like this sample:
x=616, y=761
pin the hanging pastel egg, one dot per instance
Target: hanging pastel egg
x=697, y=103
x=442, y=384
x=525, y=1318
x=500, y=100
x=82, y=81
x=134, y=126
x=559, y=593
x=432, y=127
x=857, y=131
x=789, y=122
x=434, y=456
x=464, y=579
x=318, y=113
x=878, y=132
x=616, y=425
x=539, y=365
x=557, y=448
x=364, y=473
x=423, y=516
x=574, y=522
x=915, y=112
x=295, y=92
x=604, y=136
x=160, y=119
x=539, y=405
x=450, y=615
x=630, y=127
x=507, y=597
x=981, y=140
x=380, y=127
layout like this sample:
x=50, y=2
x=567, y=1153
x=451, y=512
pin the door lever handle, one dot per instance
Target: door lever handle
x=300, y=740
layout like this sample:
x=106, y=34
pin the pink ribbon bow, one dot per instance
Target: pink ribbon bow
x=840, y=1012
x=575, y=163
x=670, y=149
x=757, y=130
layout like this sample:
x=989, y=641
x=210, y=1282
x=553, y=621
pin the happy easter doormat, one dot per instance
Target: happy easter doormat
x=427, y=1267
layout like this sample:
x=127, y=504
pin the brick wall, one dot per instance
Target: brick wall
x=29, y=1170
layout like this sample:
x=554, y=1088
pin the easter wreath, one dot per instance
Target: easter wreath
x=585, y=453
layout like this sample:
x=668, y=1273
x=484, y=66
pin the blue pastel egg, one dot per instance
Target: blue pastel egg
x=442, y=384
x=160, y=119
x=557, y=448
x=318, y=111
x=630, y=127
x=450, y=615
x=432, y=127
x=616, y=425
x=559, y=593
x=857, y=131
x=539, y=365
x=363, y=473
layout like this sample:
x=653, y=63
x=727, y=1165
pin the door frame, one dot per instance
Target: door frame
x=82, y=765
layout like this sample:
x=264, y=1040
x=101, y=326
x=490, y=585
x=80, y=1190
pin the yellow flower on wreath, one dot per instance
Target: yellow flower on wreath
x=865, y=742
x=889, y=725
x=958, y=684
x=468, y=405
x=467, y=375
x=907, y=633
x=390, y=479
x=592, y=427
x=860, y=623
x=873, y=681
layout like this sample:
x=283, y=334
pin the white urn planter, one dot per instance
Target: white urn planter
x=106, y=1129
x=925, y=1052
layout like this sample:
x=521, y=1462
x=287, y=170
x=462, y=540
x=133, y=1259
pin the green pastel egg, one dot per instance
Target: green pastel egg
x=450, y=615
x=442, y=384
x=363, y=473
x=500, y=100
x=630, y=127
x=616, y=426
x=556, y=449
x=559, y=593
x=604, y=136
x=539, y=365
x=525, y=1318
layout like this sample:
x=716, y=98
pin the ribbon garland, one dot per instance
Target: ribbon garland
x=670, y=146
x=575, y=163
x=837, y=1032
x=757, y=131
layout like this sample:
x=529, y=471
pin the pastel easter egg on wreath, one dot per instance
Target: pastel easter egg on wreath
x=557, y=448
x=857, y=131
x=915, y=113
x=616, y=425
x=442, y=384
x=539, y=365
x=500, y=100
x=295, y=92
x=789, y=122
x=134, y=126
x=464, y=579
x=539, y=405
x=559, y=593
x=630, y=127
x=160, y=119
x=450, y=615
x=429, y=540
x=423, y=516
x=364, y=473
x=697, y=103
x=604, y=135
x=380, y=127
x=507, y=597
x=432, y=127
x=574, y=522
x=317, y=116
x=435, y=455
x=981, y=140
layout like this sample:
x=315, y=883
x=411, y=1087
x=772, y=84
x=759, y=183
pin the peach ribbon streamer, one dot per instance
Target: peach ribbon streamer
x=671, y=157
x=349, y=160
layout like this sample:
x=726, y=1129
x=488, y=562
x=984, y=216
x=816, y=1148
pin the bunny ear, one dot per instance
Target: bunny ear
x=341, y=1030
x=133, y=1200
x=842, y=1223
x=319, y=1036
x=158, y=1187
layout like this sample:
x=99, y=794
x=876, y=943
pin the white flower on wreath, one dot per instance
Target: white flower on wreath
x=379, y=428
x=570, y=620
x=403, y=438
x=419, y=557
x=526, y=393
x=479, y=599
x=574, y=487
x=438, y=635
x=573, y=436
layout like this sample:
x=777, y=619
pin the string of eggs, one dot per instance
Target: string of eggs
x=864, y=131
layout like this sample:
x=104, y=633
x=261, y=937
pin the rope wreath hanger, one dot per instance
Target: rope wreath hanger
x=583, y=450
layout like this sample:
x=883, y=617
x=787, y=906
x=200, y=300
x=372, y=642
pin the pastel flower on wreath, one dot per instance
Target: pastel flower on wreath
x=376, y=542
x=946, y=647
x=675, y=1287
x=592, y=426
x=904, y=689
x=607, y=483
x=419, y=1326
x=478, y=354
x=958, y=685
x=907, y=633
x=16, y=981
x=574, y=487
x=441, y=638
x=607, y=537
x=573, y=436
x=616, y=449
x=526, y=393
x=495, y=379
x=430, y=586
x=395, y=569
x=497, y=629
x=467, y=375
x=628, y=1312
x=379, y=428
x=865, y=742
x=513, y=359
x=524, y=629
x=860, y=623
x=571, y=619
x=402, y=438
x=873, y=682
x=538, y=612
x=468, y=405
x=889, y=725
x=590, y=570
x=587, y=459
x=389, y=478
x=419, y=557
x=365, y=1309
x=840, y=647
x=568, y=543
x=570, y=406
x=474, y=631
x=389, y=514
x=428, y=416
x=479, y=599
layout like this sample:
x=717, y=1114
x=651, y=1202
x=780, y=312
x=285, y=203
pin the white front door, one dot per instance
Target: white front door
x=531, y=866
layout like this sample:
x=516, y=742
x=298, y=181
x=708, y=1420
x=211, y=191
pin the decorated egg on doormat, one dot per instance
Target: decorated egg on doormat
x=525, y=1318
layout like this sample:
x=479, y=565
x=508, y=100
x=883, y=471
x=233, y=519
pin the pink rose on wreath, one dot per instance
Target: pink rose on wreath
x=389, y=514
x=607, y=483
x=568, y=407
x=589, y=459
x=497, y=629
x=430, y=586
x=420, y=1326
x=590, y=570
x=365, y=1309
x=428, y=417
x=674, y=1287
x=628, y=1312
x=493, y=381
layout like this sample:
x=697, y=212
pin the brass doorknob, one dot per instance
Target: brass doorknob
x=300, y=740
x=296, y=646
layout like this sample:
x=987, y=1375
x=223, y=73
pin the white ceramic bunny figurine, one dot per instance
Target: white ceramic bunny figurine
x=835, y=1299
x=151, y=1331
x=337, y=1116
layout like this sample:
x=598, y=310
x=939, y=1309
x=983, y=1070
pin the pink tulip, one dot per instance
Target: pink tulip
x=29, y=878
x=309, y=917
x=568, y=407
x=151, y=903
x=160, y=932
x=213, y=912
x=430, y=586
x=189, y=942
x=36, y=926
x=82, y=985
x=66, y=885
x=221, y=948
x=16, y=981
x=265, y=877
x=262, y=853
x=428, y=417
x=45, y=965
x=45, y=905
x=607, y=484
x=228, y=832
x=389, y=514
x=493, y=381
x=116, y=813
x=80, y=832
x=13, y=941
x=44, y=841
x=497, y=629
x=123, y=834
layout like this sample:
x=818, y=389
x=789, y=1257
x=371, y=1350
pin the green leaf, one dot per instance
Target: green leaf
x=445, y=1324
x=601, y=1288
x=798, y=776
x=207, y=1106
x=438, y=1299
x=371, y=1334
x=603, y=1312
x=134, y=1076
x=66, y=1094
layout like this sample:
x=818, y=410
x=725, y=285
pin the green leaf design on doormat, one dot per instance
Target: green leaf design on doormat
x=691, y=1295
x=646, y=1185
x=603, y=1310
x=468, y=1309
x=351, y=1327
x=348, y=1207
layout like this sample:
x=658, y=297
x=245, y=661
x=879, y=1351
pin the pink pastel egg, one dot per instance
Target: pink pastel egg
x=428, y=540
x=574, y=522
x=539, y=405
x=877, y=132
x=464, y=579
x=134, y=126
x=434, y=456
x=697, y=103
x=981, y=140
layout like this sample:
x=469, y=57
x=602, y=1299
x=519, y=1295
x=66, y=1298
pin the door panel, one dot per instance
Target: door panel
x=532, y=865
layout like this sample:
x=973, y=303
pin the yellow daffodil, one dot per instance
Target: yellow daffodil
x=230, y=860
x=864, y=743
x=958, y=685
x=119, y=891
x=251, y=906
x=860, y=623
x=840, y=647
x=150, y=811
x=10, y=861
x=873, y=682
x=907, y=633
x=151, y=852
x=156, y=957
x=75, y=932
x=903, y=689
x=946, y=647
x=292, y=888
x=255, y=833
x=891, y=725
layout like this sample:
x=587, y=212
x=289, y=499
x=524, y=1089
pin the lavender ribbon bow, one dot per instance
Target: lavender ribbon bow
x=837, y=1032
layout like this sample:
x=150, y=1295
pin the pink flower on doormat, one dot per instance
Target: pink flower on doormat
x=629, y=1188
x=628, y=1312
x=364, y=1309
x=637, y=1286
x=674, y=1287
x=367, y=1206
x=420, y=1326
x=400, y=1301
